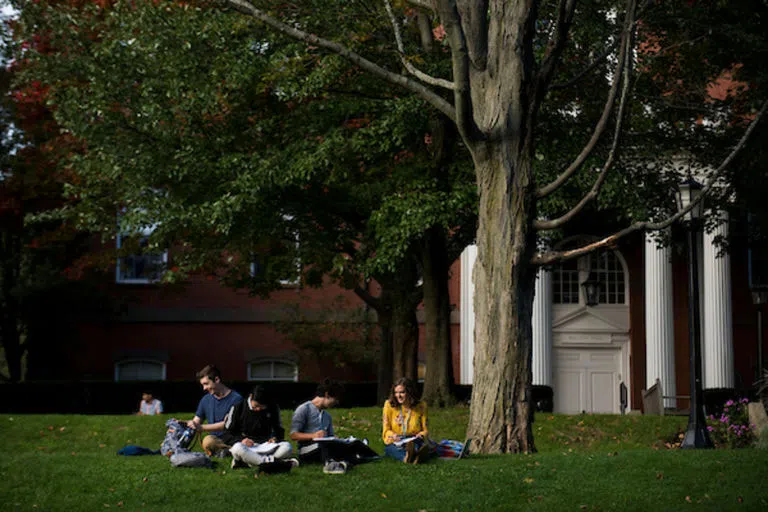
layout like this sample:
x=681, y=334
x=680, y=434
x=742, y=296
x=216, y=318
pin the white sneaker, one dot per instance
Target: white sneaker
x=293, y=462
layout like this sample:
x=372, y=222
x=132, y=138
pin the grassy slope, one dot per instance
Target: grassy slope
x=584, y=463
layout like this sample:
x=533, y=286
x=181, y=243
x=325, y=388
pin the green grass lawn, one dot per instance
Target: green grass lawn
x=600, y=462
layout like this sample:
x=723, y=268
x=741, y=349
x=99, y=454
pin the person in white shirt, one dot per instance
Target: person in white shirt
x=149, y=405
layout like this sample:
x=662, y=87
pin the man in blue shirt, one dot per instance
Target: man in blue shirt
x=213, y=407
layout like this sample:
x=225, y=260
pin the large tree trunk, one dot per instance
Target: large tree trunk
x=396, y=311
x=504, y=280
x=10, y=310
x=503, y=96
x=405, y=342
x=12, y=349
x=398, y=356
x=401, y=301
x=437, y=320
x=386, y=361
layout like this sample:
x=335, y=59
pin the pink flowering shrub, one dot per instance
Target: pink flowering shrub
x=438, y=33
x=731, y=429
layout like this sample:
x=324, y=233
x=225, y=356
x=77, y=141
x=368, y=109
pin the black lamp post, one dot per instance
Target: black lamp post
x=758, y=284
x=759, y=297
x=696, y=435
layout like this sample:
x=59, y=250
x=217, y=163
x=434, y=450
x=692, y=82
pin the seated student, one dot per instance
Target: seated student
x=213, y=407
x=404, y=416
x=254, y=430
x=149, y=405
x=310, y=421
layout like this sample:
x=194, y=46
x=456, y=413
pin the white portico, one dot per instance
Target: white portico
x=714, y=281
x=581, y=351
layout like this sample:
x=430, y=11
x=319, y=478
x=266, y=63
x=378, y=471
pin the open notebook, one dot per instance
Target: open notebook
x=405, y=440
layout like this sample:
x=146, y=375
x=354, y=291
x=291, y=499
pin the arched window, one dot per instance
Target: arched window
x=137, y=369
x=605, y=266
x=273, y=369
x=610, y=274
x=565, y=283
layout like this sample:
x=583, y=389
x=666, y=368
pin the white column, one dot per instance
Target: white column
x=659, y=320
x=467, y=327
x=717, y=339
x=542, y=329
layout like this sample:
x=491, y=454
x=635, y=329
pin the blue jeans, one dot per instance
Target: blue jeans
x=398, y=452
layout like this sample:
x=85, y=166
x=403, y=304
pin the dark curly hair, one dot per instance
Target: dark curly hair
x=331, y=388
x=411, y=394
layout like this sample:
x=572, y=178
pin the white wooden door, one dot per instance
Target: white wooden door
x=586, y=379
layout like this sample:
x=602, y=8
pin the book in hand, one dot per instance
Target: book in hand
x=405, y=440
x=265, y=448
x=349, y=439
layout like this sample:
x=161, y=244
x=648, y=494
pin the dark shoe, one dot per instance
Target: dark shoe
x=423, y=454
x=238, y=464
x=410, y=452
x=276, y=466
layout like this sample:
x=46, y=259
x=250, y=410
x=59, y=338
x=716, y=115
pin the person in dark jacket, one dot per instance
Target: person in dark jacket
x=254, y=430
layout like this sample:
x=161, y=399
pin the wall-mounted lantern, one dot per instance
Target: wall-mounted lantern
x=591, y=289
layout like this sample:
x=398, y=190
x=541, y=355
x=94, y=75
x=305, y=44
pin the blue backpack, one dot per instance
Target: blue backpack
x=178, y=436
x=449, y=449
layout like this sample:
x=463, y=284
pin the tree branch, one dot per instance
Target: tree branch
x=600, y=58
x=245, y=7
x=437, y=82
x=595, y=191
x=602, y=123
x=351, y=282
x=592, y=65
x=464, y=118
x=357, y=94
x=424, y=25
x=558, y=256
x=365, y=296
x=474, y=21
x=422, y=4
x=555, y=48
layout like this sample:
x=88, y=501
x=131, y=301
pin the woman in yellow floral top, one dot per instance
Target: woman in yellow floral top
x=404, y=424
